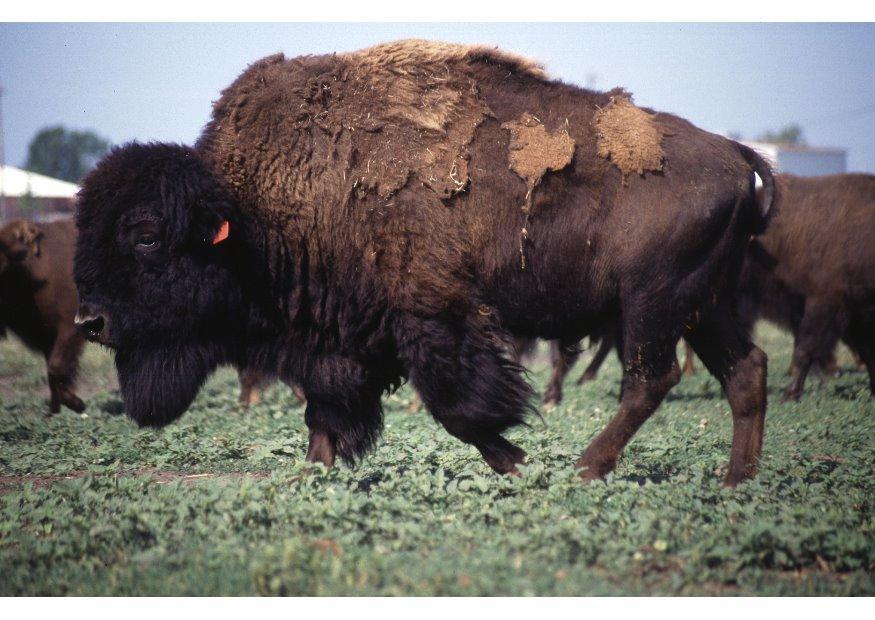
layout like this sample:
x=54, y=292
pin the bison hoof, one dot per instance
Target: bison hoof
x=321, y=449
x=734, y=478
x=552, y=398
x=501, y=455
x=590, y=470
x=791, y=395
x=75, y=403
x=586, y=378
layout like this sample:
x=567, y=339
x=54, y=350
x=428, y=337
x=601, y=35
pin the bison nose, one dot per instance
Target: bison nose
x=91, y=323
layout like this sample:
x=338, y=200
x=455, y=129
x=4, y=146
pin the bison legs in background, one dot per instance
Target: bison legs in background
x=62, y=361
x=467, y=382
x=251, y=382
x=689, y=364
x=592, y=370
x=563, y=355
x=819, y=330
x=861, y=338
x=727, y=352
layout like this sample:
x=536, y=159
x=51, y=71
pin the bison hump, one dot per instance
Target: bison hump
x=379, y=119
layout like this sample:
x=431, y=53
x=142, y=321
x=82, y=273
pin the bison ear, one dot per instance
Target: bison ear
x=223, y=233
x=197, y=199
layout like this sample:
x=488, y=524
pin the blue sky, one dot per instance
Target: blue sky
x=157, y=81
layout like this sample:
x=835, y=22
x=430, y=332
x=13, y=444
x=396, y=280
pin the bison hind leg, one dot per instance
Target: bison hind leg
x=728, y=354
x=468, y=382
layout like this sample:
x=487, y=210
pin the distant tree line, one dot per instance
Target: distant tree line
x=790, y=134
x=65, y=154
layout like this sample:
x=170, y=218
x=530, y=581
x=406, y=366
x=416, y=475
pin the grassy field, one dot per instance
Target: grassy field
x=222, y=503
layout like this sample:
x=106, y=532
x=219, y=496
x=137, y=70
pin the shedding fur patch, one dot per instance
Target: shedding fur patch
x=383, y=118
x=416, y=111
x=534, y=151
x=628, y=137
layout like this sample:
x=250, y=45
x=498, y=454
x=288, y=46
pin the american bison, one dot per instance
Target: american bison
x=347, y=221
x=38, y=299
x=813, y=270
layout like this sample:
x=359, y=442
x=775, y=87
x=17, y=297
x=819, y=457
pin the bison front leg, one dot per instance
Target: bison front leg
x=468, y=383
x=818, y=334
x=62, y=362
x=343, y=412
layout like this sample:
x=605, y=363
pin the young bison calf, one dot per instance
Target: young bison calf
x=38, y=299
x=350, y=220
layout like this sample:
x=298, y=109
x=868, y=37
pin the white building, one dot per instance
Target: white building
x=34, y=196
x=804, y=161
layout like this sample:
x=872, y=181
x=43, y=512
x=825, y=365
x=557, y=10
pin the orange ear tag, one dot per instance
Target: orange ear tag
x=224, y=229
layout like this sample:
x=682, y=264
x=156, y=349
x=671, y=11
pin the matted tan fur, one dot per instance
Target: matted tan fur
x=534, y=150
x=628, y=137
x=423, y=92
x=396, y=112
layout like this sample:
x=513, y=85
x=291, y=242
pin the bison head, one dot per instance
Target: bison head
x=154, y=282
x=18, y=241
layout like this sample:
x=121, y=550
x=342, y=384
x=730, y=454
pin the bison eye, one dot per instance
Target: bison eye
x=147, y=242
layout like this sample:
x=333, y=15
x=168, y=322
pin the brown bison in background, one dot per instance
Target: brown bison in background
x=38, y=299
x=813, y=270
x=350, y=220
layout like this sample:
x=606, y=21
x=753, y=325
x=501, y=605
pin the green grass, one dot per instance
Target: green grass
x=92, y=505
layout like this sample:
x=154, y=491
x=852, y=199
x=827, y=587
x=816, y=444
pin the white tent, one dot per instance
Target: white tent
x=16, y=183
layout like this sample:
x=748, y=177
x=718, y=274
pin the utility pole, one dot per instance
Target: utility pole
x=2, y=163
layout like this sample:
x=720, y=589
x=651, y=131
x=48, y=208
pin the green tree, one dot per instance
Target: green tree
x=791, y=134
x=65, y=154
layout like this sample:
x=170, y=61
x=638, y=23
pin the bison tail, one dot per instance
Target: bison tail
x=762, y=200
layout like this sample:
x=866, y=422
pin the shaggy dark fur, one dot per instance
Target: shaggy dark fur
x=813, y=270
x=380, y=229
x=38, y=299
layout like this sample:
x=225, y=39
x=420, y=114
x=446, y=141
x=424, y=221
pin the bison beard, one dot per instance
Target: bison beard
x=399, y=212
x=158, y=384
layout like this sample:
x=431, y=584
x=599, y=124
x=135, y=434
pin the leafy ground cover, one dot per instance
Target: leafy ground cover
x=222, y=503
